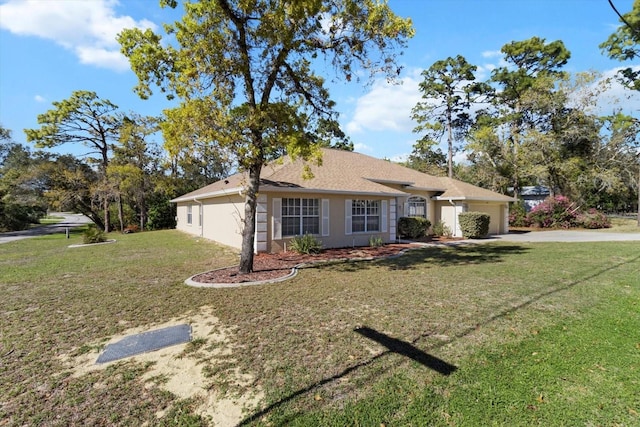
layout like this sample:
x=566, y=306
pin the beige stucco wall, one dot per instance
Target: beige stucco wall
x=448, y=214
x=337, y=237
x=221, y=219
x=498, y=223
x=431, y=205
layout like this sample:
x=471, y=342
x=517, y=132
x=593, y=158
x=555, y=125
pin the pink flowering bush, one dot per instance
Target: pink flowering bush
x=560, y=212
x=593, y=219
x=554, y=212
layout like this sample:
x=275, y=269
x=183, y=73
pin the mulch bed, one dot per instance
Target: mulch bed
x=274, y=266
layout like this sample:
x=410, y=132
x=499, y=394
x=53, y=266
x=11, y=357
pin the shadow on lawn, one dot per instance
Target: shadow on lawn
x=441, y=256
x=410, y=350
x=393, y=345
x=406, y=349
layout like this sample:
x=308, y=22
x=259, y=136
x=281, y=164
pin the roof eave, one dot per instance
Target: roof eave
x=209, y=195
x=475, y=199
x=328, y=191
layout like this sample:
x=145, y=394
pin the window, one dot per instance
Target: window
x=417, y=206
x=189, y=214
x=365, y=215
x=300, y=216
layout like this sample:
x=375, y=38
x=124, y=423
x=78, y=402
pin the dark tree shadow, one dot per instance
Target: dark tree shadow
x=393, y=345
x=467, y=254
x=408, y=350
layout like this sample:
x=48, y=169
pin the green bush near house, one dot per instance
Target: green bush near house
x=376, y=241
x=440, y=229
x=413, y=227
x=474, y=224
x=306, y=244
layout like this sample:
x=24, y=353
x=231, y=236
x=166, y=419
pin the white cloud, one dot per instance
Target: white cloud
x=87, y=28
x=606, y=94
x=362, y=148
x=400, y=158
x=617, y=96
x=386, y=106
x=491, y=54
x=40, y=99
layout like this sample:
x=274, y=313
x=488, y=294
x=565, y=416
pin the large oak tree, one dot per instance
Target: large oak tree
x=244, y=71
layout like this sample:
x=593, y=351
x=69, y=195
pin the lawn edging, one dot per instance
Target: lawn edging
x=294, y=271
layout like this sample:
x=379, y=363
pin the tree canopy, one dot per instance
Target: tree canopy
x=448, y=91
x=244, y=74
x=624, y=45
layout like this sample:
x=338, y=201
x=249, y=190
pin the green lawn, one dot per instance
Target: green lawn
x=493, y=334
x=47, y=220
x=623, y=225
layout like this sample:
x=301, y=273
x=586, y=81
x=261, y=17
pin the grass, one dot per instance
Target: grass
x=494, y=334
x=623, y=225
x=51, y=219
x=47, y=220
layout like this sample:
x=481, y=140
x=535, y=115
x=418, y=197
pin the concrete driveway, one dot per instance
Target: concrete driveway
x=70, y=221
x=568, y=236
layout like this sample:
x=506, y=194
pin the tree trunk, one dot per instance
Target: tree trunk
x=120, y=213
x=95, y=217
x=249, y=229
x=107, y=215
x=143, y=212
x=450, y=139
x=639, y=193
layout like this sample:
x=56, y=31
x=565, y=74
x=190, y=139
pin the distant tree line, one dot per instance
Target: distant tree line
x=532, y=123
x=124, y=181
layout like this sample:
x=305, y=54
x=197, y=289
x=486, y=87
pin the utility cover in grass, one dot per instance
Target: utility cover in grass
x=146, y=341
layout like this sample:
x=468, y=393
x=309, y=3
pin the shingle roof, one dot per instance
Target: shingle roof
x=346, y=172
x=459, y=190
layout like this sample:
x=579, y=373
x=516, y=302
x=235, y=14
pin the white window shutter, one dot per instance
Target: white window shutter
x=276, y=227
x=383, y=217
x=325, y=217
x=347, y=216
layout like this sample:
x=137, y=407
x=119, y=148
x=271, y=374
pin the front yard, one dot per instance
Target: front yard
x=491, y=334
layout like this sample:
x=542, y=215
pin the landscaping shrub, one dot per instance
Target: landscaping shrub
x=93, y=235
x=518, y=215
x=413, y=227
x=376, y=241
x=593, y=219
x=554, y=212
x=306, y=244
x=474, y=224
x=439, y=230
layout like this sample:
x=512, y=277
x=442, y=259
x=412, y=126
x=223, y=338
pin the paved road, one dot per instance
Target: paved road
x=70, y=221
x=569, y=236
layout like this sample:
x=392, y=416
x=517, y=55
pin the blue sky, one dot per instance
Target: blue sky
x=49, y=48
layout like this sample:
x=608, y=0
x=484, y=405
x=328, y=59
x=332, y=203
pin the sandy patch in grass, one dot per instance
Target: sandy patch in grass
x=180, y=371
